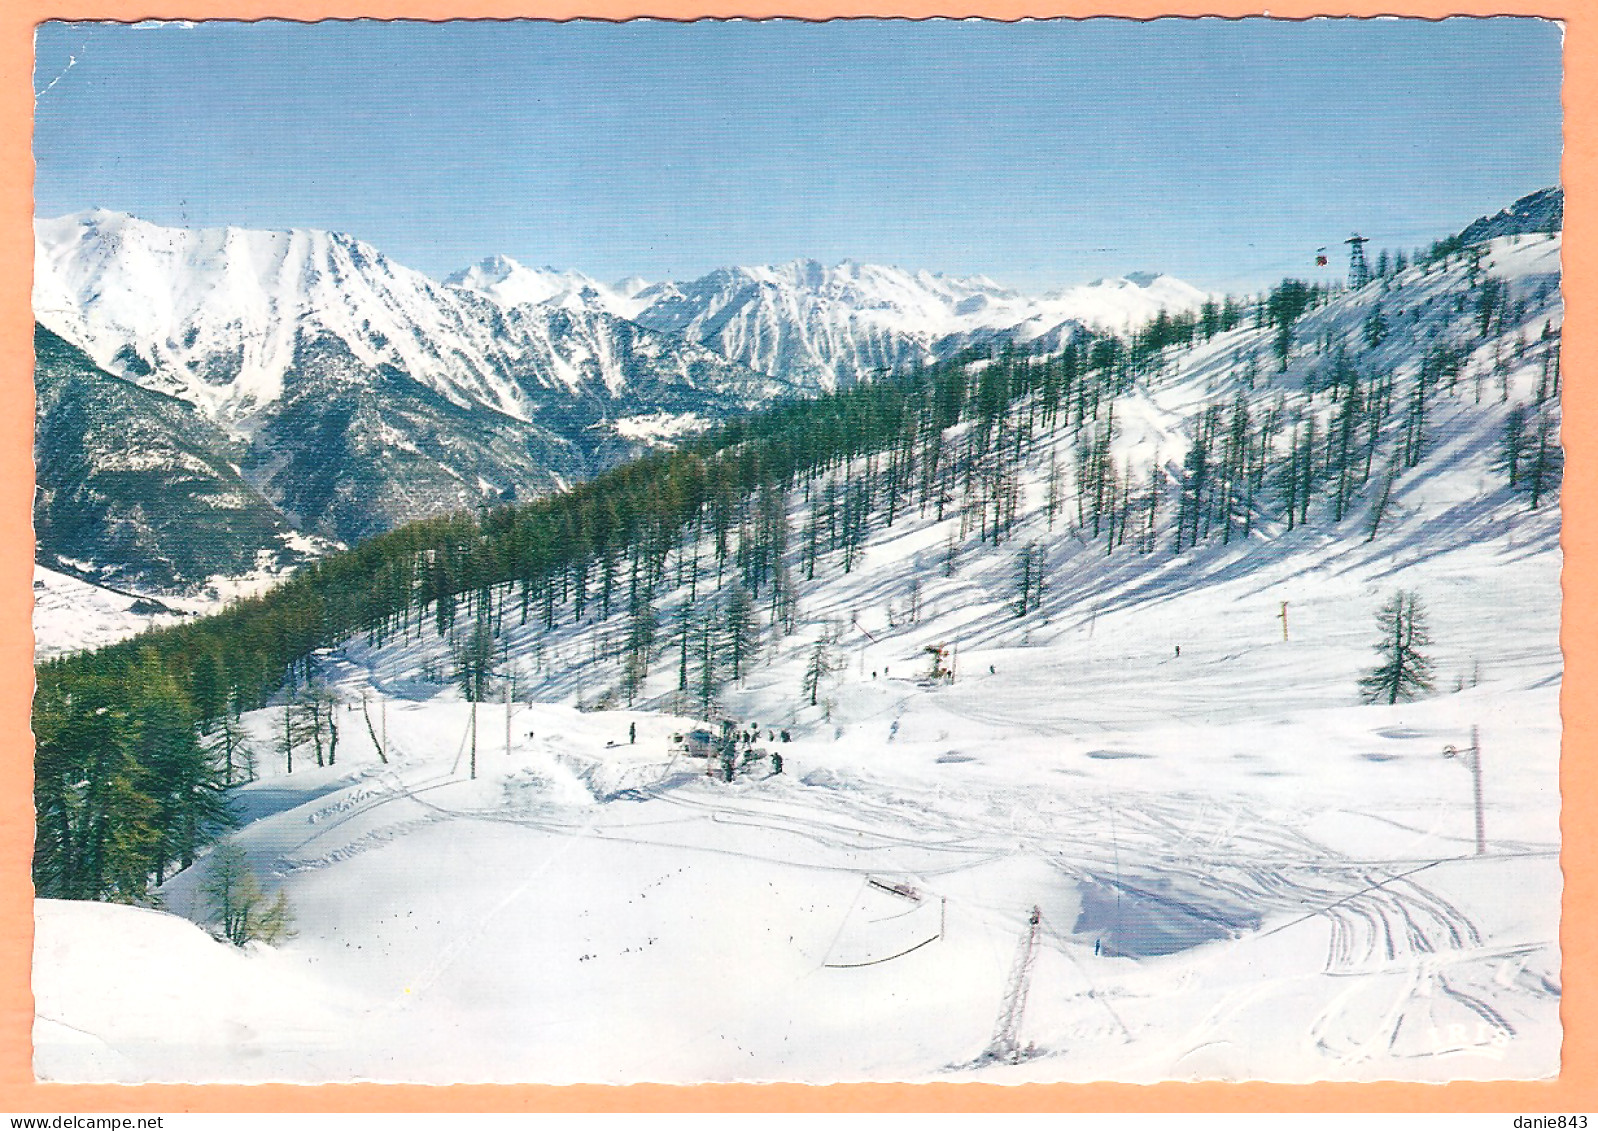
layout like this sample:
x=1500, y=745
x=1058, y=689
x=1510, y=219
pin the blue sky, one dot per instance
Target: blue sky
x=1042, y=154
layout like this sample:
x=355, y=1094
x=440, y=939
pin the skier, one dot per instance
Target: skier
x=776, y=762
x=632, y=734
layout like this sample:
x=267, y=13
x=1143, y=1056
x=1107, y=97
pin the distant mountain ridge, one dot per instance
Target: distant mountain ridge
x=215, y=317
x=819, y=326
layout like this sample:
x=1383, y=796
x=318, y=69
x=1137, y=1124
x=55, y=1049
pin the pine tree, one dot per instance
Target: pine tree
x=1375, y=327
x=95, y=827
x=819, y=667
x=708, y=682
x=685, y=638
x=1383, y=498
x=179, y=774
x=230, y=746
x=1512, y=443
x=474, y=660
x=1547, y=461
x=739, y=611
x=288, y=733
x=1029, y=565
x=1405, y=672
x=319, y=719
x=640, y=643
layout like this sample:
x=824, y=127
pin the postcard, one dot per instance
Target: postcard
x=803, y=552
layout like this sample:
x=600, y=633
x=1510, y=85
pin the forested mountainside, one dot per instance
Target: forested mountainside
x=127, y=475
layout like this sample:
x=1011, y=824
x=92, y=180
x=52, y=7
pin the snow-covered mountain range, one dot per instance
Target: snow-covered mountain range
x=218, y=317
x=819, y=327
x=349, y=393
x=215, y=316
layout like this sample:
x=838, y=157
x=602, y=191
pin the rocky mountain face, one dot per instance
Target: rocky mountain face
x=1539, y=212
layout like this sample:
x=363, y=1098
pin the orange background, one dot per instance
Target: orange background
x=1576, y=1089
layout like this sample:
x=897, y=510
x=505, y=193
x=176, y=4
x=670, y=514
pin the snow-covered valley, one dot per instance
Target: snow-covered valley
x=1147, y=830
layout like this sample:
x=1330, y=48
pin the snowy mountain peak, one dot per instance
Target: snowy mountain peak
x=494, y=269
x=630, y=286
x=509, y=283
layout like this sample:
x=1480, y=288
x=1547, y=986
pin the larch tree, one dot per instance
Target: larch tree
x=236, y=903
x=1405, y=671
x=819, y=667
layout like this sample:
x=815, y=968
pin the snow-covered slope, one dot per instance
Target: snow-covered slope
x=1237, y=869
x=73, y=615
x=70, y=615
x=1536, y=213
x=168, y=985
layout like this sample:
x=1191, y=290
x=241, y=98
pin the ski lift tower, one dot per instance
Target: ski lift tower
x=1359, y=272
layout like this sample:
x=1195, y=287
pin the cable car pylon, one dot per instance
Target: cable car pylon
x=1006, y=1043
x=1359, y=272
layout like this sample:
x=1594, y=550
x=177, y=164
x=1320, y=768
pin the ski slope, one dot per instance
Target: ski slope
x=1240, y=870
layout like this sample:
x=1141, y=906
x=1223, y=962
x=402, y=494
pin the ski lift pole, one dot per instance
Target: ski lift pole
x=1475, y=772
